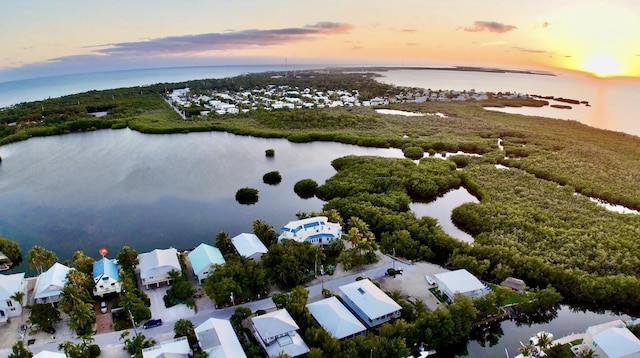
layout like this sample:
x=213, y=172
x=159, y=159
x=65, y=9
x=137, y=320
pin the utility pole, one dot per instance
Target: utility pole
x=394, y=259
x=132, y=322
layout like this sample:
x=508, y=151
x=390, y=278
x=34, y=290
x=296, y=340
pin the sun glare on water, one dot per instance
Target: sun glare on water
x=603, y=66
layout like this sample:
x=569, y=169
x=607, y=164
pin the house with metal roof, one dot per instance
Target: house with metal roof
x=49, y=354
x=460, y=281
x=218, y=339
x=106, y=278
x=50, y=283
x=174, y=348
x=316, y=230
x=277, y=332
x=155, y=266
x=335, y=318
x=612, y=340
x=369, y=303
x=203, y=258
x=9, y=285
x=249, y=246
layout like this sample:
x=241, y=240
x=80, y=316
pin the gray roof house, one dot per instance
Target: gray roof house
x=155, y=266
x=335, y=318
x=277, y=332
x=369, y=303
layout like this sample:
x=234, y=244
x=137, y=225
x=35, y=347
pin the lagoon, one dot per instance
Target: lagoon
x=109, y=188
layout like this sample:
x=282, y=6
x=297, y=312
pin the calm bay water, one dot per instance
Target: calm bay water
x=614, y=102
x=115, y=187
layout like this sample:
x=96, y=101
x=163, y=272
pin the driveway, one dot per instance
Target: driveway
x=158, y=310
x=412, y=283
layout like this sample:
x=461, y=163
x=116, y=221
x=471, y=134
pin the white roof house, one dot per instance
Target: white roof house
x=276, y=333
x=155, y=266
x=249, y=246
x=218, y=339
x=175, y=348
x=50, y=283
x=369, y=303
x=335, y=318
x=316, y=230
x=203, y=258
x=612, y=340
x=460, y=281
x=9, y=285
x=50, y=354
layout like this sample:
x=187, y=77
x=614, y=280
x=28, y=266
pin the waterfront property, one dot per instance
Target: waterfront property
x=50, y=354
x=155, y=266
x=175, y=348
x=277, y=332
x=316, y=230
x=369, y=303
x=218, y=339
x=612, y=340
x=106, y=278
x=9, y=286
x=203, y=258
x=460, y=281
x=50, y=283
x=336, y=319
x=249, y=246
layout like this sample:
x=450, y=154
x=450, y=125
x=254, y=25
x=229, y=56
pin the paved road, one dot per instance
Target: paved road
x=111, y=345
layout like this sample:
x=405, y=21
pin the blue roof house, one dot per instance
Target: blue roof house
x=202, y=259
x=106, y=278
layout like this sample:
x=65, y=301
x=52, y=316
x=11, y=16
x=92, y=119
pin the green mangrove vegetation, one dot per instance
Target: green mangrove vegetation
x=533, y=219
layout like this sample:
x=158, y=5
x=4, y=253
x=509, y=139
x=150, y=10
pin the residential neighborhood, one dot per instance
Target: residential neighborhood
x=275, y=97
x=346, y=306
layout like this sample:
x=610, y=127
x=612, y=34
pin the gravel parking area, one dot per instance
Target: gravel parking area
x=412, y=283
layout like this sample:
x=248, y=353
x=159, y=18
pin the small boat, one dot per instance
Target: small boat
x=420, y=352
x=5, y=266
x=534, y=348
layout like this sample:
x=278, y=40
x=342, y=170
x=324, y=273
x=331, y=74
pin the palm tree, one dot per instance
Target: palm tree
x=525, y=350
x=18, y=296
x=184, y=327
x=20, y=351
x=587, y=353
x=544, y=341
x=49, y=259
x=36, y=258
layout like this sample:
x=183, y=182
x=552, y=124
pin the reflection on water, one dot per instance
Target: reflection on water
x=441, y=209
x=114, y=187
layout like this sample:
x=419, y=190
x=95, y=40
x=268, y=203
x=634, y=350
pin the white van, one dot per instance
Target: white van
x=429, y=280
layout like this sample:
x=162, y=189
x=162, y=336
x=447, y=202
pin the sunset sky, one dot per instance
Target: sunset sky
x=47, y=38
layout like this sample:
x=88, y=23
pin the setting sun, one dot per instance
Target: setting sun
x=602, y=65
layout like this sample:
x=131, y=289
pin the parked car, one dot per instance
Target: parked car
x=103, y=307
x=429, y=280
x=152, y=323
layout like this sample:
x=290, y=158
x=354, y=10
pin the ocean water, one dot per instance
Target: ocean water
x=614, y=104
x=42, y=88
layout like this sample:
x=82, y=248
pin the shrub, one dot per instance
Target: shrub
x=414, y=153
x=272, y=178
x=247, y=196
x=306, y=188
x=270, y=152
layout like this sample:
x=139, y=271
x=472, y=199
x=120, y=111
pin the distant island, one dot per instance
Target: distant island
x=444, y=68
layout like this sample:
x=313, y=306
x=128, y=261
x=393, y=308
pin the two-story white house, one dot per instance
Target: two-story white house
x=277, y=332
x=106, y=278
x=50, y=283
x=155, y=266
x=316, y=230
x=9, y=286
